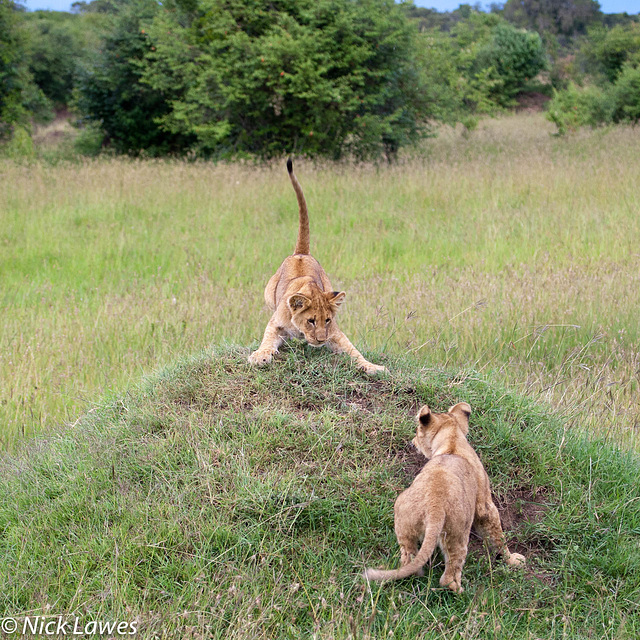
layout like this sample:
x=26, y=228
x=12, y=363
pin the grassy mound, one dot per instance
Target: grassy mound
x=221, y=501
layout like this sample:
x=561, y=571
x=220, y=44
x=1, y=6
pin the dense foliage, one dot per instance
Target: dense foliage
x=606, y=51
x=478, y=66
x=333, y=78
x=610, y=93
x=222, y=78
x=553, y=17
x=56, y=45
x=110, y=91
x=20, y=97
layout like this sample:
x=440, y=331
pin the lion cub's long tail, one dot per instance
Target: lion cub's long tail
x=302, y=246
x=433, y=530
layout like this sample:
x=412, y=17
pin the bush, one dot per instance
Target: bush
x=20, y=98
x=315, y=77
x=515, y=56
x=592, y=106
x=606, y=52
x=626, y=96
x=20, y=145
x=109, y=92
x=89, y=140
x=575, y=107
x=478, y=67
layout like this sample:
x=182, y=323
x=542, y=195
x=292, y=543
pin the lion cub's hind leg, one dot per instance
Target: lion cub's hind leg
x=270, y=290
x=409, y=526
x=408, y=550
x=454, y=549
x=488, y=526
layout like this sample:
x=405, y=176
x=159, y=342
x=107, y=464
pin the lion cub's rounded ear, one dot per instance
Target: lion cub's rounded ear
x=336, y=298
x=424, y=416
x=462, y=408
x=462, y=411
x=298, y=302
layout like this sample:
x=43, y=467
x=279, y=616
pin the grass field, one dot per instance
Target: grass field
x=217, y=501
x=508, y=251
x=214, y=500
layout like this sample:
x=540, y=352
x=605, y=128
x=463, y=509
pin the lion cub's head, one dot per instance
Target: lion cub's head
x=313, y=312
x=444, y=428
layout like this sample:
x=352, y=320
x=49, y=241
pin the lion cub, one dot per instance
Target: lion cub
x=450, y=494
x=303, y=302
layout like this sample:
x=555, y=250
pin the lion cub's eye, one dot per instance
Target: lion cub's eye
x=327, y=321
x=311, y=321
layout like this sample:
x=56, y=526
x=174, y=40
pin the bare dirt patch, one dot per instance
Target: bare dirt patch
x=532, y=102
x=56, y=131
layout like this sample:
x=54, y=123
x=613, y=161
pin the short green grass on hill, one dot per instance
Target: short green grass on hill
x=222, y=501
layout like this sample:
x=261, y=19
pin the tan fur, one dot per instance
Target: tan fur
x=450, y=494
x=303, y=301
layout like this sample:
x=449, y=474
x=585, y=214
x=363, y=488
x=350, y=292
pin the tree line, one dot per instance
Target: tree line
x=332, y=78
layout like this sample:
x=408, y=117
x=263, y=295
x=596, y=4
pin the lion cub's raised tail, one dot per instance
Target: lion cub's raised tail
x=302, y=246
x=433, y=530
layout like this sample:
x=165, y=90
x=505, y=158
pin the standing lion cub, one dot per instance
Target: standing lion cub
x=303, y=302
x=450, y=494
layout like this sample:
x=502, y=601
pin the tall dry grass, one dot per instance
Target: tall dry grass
x=508, y=250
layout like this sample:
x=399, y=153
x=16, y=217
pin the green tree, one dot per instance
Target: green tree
x=576, y=107
x=606, y=51
x=626, y=95
x=478, y=67
x=56, y=43
x=20, y=98
x=318, y=77
x=515, y=57
x=96, y=6
x=109, y=92
x=568, y=18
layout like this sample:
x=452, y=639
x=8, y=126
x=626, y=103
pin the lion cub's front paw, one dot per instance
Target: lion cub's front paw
x=371, y=369
x=261, y=357
x=516, y=560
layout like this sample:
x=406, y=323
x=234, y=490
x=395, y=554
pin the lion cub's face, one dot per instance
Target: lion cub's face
x=313, y=315
x=430, y=424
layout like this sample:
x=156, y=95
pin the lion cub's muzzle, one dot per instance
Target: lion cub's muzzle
x=319, y=338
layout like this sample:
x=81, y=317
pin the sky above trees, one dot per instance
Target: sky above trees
x=607, y=6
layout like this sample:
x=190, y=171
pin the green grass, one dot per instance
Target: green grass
x=215, y=500
x=510, y=252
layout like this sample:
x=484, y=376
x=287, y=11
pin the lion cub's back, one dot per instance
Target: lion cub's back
x=298, y=266
x=291, y=270
x=446, y=482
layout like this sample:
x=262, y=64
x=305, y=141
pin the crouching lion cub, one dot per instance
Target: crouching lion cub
x=303, y=302
x=450, y=494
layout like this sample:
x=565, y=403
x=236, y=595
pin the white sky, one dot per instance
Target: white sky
x=608, y=6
